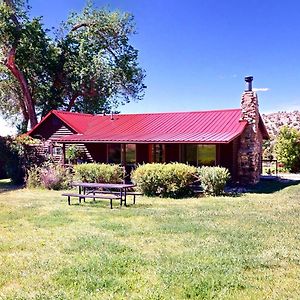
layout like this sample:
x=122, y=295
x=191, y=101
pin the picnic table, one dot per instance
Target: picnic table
x=111, y=191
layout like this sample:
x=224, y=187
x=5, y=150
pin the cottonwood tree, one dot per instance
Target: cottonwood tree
x=287, y=148
x=90, y=66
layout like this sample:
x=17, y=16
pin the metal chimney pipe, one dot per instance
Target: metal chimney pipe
x=249, y=80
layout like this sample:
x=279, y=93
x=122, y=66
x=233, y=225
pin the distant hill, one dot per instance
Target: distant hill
x=275, y=121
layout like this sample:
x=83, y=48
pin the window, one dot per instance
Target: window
x=130, y=154
x=114, y=153
x=57, y=151
x=158, y=153
x=191, y=154
x=206, y=155
x=200, y=155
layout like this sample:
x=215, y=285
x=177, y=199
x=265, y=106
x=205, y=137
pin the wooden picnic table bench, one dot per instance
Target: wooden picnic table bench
x=111, y=191
x=130, y=193
x=110, y=197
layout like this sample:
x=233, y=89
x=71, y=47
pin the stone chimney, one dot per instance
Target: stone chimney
x=249, y=154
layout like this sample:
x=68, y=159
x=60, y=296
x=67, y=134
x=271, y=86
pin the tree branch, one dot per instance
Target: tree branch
x=72, y=101
x=10, y=64
x=82, y=24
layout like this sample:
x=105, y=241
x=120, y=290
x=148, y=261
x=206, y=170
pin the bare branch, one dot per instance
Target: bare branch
x=79, y=25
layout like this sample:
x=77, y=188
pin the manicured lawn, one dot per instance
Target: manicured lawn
x=245, y=247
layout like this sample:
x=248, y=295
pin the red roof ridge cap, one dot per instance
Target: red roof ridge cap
x=56, y=111
x=179, y=112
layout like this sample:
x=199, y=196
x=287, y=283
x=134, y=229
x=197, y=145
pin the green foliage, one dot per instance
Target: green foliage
x=268, y=149
x=49, y=176
x=89, y=66
x=18, y=156
x=166, y=180
x=33, y=179
x=73, y=153
x=287, y=148
x=213, y=179
x=94, y=172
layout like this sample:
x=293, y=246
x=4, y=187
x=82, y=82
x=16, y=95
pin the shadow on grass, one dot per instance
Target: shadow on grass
x=272, y=186
x=6, y=185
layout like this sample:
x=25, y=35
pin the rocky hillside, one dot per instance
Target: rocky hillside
x=276, y=120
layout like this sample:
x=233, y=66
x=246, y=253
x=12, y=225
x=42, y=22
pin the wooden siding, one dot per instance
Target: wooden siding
x=60, y=132
x=49, y=129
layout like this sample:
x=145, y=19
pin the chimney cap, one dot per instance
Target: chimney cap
x=249, y=80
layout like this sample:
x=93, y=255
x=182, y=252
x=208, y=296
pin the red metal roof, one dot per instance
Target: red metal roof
x=77, y=121
x=217, y=126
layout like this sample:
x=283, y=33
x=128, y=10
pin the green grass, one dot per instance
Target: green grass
x=245, y=247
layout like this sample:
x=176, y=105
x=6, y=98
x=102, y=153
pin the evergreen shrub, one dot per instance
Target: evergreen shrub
x=100, y=173
x=213, y=179
x=166, y=180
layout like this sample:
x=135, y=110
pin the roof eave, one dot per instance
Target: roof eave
x=39, y=123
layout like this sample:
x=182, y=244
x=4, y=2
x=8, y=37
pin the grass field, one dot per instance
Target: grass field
x=244, y=247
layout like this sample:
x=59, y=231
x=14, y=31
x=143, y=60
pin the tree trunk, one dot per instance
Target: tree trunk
x=10, y=64
x=24, y=124
x=72, y=101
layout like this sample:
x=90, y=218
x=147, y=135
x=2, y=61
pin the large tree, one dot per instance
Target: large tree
x=287, y=148
x=89, y=66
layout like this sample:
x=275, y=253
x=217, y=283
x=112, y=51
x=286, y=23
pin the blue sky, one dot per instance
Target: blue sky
x=196, y=53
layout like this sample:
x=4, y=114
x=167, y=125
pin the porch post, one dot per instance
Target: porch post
x=123, y=154
x=63, y=153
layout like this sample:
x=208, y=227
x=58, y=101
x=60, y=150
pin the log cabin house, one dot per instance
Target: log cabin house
x=231, y=137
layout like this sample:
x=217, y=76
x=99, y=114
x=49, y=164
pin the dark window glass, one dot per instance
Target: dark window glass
x=114, y=153
x=130, y=153
x=200, y=155
x=57, y=151
x=191, y=154
x=158, y=153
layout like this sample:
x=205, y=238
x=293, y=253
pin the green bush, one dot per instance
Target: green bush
x=18, y=156
x=73, y=153
x=105, y=173
x=213, y=179
x=287, y=148
x=148, y=178
x=33, y=179
x=49, y=176
x=166, y=180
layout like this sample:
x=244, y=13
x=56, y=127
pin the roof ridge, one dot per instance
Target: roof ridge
x=71, y=113
x=177, y=112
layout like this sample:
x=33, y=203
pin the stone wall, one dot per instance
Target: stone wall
x=249, y=154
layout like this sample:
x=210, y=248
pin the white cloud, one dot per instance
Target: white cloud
x=260, y=89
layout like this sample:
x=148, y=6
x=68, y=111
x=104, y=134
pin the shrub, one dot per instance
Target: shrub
x=287, y=148
x=105, y=173
x=147, y=177
x=34, y=178
x=73, y=153
x=19, y=155
x=166, y=180
x=213, y=179
x=49, y=176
